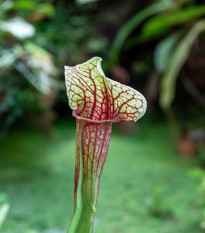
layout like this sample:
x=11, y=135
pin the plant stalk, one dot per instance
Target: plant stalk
x=92, y=143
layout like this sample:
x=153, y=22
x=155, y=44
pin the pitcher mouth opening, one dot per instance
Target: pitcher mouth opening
x=95, y=121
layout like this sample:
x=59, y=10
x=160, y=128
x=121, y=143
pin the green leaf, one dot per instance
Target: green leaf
x=3, y=212
x=134, y=22
x=178, y=58
x=17, y=27
x=81, y=2
x=160, y=24
x=4, y=207
x=164, y=51
x=24, y=4
x=29, y=5
x=46, y=9
x=4, y=7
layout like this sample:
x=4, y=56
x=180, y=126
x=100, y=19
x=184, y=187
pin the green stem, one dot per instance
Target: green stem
x=92, y=142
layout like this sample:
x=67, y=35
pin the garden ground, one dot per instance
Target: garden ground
x=145, y=186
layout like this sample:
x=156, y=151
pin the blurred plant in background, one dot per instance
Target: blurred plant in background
x=174, y=26
x=4, y=207
x=175, y=29
x=28, y=77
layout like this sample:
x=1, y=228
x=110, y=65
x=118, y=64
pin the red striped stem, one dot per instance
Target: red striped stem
x=92, y=143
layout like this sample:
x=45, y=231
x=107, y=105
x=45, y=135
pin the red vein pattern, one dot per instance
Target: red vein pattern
x=96, y=102
x=95, y=144
x=93, y=96
x=92, y=143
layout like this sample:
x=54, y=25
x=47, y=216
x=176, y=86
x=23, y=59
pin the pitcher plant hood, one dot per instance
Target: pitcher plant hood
x=95, y=97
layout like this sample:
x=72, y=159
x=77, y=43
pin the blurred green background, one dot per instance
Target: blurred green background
x=154, y=177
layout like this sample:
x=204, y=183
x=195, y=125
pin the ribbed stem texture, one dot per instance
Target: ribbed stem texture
x=92, y=142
